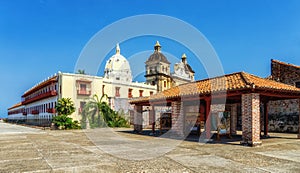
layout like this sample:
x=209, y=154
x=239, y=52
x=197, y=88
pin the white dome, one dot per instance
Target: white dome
x=117, y=68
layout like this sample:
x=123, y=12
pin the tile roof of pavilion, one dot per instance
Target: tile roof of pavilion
x=239, y=81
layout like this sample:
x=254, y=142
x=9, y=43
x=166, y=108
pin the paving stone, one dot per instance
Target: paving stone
x=74, y=151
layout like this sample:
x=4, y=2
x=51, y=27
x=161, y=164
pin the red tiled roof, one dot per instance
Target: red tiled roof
x=15, y=106
x=40, y=85
x=231, y=82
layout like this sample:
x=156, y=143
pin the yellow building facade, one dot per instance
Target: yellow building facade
x=38, y=103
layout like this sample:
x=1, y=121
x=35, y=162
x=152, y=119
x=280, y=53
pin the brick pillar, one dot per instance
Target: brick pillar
x=251, y=119
x=177, y=118
x=138, y=118
x=233, y=119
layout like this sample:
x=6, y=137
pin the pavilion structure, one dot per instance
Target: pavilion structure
x=214, y=95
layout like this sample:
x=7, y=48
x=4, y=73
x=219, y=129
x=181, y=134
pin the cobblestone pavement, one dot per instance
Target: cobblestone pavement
x=24, y=149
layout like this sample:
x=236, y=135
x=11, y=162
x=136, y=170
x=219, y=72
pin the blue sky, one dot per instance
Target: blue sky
x=40, y=37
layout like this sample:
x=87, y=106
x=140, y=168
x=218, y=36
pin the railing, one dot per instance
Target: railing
x=83, y=92
x=35, y=112
x=33, y=122
x=51, y=110
x=40, y=97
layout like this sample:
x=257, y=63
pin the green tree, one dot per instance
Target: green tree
x=99, y=114
x=64, y=108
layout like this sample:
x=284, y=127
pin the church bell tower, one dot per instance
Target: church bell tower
x=158, y=69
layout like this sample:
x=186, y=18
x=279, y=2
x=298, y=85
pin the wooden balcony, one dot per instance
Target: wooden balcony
x=51, y=110
x=40, y=97
x=34, y=112
x=83, y=92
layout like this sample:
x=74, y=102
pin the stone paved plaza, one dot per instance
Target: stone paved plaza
x=25, y=149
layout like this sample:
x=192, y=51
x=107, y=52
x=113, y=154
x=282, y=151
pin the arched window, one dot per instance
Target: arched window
x=117, y=94
x=141, y=93
x=129, y=93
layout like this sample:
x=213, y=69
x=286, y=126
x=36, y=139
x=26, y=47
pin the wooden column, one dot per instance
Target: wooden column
x=233, y=119
x=266, y=118
x=207, y=118
x=202, y=116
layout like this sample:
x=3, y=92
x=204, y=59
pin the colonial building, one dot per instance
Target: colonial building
x=38, y=103
x=283, y=114
x=15, y=113
x=158, y=70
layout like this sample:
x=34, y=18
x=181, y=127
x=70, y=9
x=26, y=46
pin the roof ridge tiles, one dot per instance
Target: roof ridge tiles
x=246, y=78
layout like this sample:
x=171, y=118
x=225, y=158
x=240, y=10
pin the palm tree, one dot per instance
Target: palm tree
x=100, y=114
x=80, y=72
x=95, y=108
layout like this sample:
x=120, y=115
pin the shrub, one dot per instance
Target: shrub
x=64, y=108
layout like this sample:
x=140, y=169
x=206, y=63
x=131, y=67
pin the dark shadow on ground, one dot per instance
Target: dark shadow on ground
x=192, y=137
x=277, y=137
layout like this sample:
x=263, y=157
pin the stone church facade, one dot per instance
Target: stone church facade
x=158, y=73
x=158, y=70
x=284, y=114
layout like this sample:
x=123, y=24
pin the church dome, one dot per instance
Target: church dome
x=117, y=67
x=157, y=56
